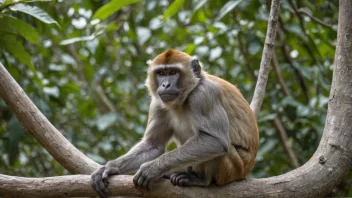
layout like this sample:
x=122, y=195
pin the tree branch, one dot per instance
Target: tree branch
x=286, y=143
x=259, y=91
x=299, y=76
x=305, y=12
x=279, y=77
x=62, y=186
x=41, y=129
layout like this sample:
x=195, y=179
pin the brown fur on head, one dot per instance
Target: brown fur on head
x=177, y=59
x=171, y=56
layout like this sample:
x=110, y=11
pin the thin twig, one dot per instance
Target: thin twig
x=277, y=123
x=279, y=77
x=286, y=142
x=305, y=12
x=301, y=23
x=299, y=75
x=266, y=57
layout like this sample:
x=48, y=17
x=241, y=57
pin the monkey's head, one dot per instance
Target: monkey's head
x=172, y=75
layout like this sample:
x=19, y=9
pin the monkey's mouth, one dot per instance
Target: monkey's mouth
x=167, y=97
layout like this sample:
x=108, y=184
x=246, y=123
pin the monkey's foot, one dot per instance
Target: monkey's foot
x=188, y=179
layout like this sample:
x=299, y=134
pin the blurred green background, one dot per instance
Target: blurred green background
x=83, y=63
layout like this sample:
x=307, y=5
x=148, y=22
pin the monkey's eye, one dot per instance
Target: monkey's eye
x=173, y=72
x=161, y=73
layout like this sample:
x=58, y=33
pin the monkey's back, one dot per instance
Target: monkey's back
x=243, y=131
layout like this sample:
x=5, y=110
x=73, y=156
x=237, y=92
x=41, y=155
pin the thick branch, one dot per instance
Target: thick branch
x=41, y=129
x=61, y=186
x=259, y=91
x=316, y=178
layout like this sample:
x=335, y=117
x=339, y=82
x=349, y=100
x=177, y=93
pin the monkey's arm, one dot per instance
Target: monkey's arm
x=212, y=140
x=150, y=147
x=202, y=147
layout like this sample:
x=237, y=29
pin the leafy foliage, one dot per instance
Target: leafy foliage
x=111, y=7
x=33, y=11
x=88, y=76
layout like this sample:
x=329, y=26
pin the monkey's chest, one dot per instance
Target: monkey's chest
x=183, y=128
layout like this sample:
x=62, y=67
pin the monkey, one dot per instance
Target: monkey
x=209, y=119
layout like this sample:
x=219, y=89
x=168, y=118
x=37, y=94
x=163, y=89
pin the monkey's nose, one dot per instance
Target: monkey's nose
x=166, y=85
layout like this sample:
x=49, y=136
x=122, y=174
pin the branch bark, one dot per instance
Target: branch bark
x=41, y=129
x=259, y=91
x=62, y=186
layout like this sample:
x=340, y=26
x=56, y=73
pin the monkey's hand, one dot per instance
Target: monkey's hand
x=146, y=174
x=99, y=179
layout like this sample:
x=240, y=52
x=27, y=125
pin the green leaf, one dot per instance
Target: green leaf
x=14, y=25
x=11, y=44
x=190, y=48
x=199, y=5
x=14, y=46
x=267, y=117
x=173, y=8
x=112, y=7
x=83, y=38
x=15, y=134
x=77, y=39
x=227, y=8
x=35, y=12
x=4, y=3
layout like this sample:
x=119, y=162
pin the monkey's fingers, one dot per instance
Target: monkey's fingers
x=138, y=179
x=109, y=171
x=181, y=179
x=145, y=183
x=135, y=179
x=102, y=190
x=173, y=178
x=98, y=184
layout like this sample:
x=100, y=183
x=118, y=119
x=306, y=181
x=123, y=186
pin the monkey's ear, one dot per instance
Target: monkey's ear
x=196, y=66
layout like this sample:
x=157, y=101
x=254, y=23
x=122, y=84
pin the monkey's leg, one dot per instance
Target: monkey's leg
x=189, y=178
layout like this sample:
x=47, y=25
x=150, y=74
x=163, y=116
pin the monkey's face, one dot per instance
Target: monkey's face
x=168, y=80
x=172, y=76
